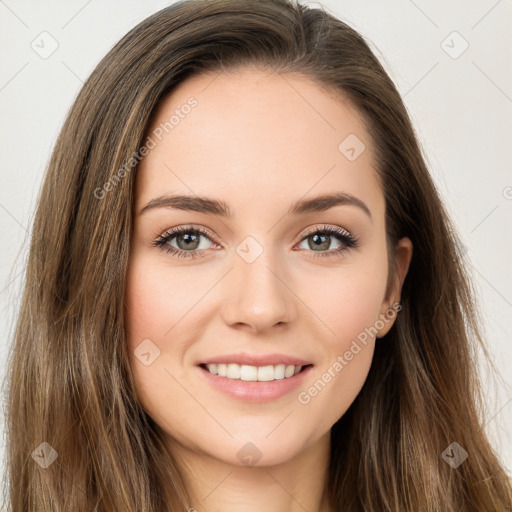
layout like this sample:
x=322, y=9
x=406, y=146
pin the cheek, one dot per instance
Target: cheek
x=347, y=299
x=348, y=302
x=145, y=308
x=156, y=300
x=152, y=310
x=150, y=313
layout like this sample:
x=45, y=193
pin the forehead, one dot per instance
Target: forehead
x=256, y=133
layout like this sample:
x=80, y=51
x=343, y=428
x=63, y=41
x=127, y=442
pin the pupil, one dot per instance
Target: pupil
x=188, y=239
x=320, y=241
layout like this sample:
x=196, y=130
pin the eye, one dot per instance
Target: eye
x=321, y=238
x=185, y=242
x=188, y=240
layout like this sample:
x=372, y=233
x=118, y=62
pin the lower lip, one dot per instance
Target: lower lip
x=255, y=391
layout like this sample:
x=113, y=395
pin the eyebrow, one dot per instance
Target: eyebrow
x=217, y=207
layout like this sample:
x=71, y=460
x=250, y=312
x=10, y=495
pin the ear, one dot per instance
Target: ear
x=403, y=255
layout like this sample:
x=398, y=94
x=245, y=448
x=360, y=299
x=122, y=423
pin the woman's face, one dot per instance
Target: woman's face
x=269, y=286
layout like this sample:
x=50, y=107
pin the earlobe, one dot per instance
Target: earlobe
x=389, y=310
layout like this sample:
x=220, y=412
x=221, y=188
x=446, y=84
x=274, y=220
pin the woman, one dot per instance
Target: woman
x=243, y=289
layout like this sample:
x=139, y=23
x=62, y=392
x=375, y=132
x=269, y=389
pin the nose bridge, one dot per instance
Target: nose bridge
x=258, y=294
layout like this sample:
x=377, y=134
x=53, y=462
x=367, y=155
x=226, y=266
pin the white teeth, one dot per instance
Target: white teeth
x=254, y=373
x=279, y=371
x=222, y=370
x=289, y=371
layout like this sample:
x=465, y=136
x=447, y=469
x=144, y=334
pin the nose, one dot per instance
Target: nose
x=258, y=296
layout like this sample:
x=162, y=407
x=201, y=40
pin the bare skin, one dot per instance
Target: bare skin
x=258, y=141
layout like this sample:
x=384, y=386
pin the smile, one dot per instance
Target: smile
x=254, y=373
x=243, y=382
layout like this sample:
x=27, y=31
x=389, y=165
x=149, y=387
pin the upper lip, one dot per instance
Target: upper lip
x=256, y=360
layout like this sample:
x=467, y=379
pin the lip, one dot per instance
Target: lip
x=256, y=360
x=254, y=391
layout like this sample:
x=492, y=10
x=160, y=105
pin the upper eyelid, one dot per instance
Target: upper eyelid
x=325, y=227
x=173, y=232
x=201, y=230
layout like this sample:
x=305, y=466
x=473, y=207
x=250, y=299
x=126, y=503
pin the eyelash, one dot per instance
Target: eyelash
x=348, y=240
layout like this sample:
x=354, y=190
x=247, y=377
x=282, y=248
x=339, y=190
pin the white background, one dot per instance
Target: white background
x=461, y=108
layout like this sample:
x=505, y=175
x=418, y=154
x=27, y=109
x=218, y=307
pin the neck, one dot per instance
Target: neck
x=294, y=485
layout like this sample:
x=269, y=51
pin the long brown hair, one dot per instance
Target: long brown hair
x=70, y=383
